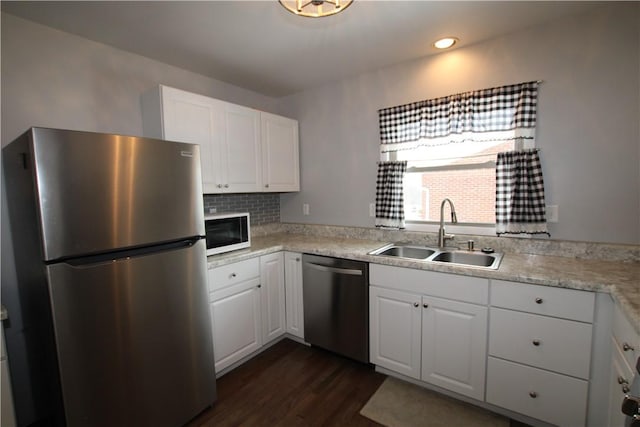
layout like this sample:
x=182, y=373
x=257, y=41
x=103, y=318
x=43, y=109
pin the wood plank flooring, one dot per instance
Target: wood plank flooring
x=291, y=384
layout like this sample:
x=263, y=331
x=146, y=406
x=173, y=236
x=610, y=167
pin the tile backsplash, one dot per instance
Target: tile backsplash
x=263, y=207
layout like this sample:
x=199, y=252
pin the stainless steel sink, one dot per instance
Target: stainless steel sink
x=489, y=261
x=402, y=251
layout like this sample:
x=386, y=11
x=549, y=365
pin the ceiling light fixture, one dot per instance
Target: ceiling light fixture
x=445, y=43
x=315, y=8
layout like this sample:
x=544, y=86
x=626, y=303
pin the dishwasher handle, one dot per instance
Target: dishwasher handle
x=349, y=271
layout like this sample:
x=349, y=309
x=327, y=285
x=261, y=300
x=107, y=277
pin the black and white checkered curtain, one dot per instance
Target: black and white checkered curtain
x=389, y=199
x=463, y=116
x=520, y=205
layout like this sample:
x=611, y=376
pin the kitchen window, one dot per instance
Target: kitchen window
x=465, y=173
x=450, y=145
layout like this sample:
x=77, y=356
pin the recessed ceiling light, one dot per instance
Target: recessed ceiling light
x=445, y=42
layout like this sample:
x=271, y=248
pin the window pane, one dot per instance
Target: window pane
x=472, y=191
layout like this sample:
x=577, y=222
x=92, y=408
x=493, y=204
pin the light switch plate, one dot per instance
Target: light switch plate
x=372, y=209
x=305, y=209
x=552, y=213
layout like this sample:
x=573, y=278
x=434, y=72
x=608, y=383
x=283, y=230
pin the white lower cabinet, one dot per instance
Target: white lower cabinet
x=394, y=330
x=454, y=345
x=293, y=294
x=547, y=396
x=273, y=304
x=439, y=341
x=236, y=319
x=621, y=375
x=247, y=303
x=625, y=349
x=540, y=351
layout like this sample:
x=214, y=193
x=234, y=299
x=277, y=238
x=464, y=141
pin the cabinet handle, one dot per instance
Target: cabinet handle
x=533, y=394
x=219, y=186
x=226, y=186
x=297, y=259
x=538, y=300
x=536, y=342
x=622, y=380
x=627, y=347
x=425, y=305
x=266, y=186
x=232, y=275
x=259, y=286
x=416, y=304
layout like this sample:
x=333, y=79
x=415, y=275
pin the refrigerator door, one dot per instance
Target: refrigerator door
x=96, y=192
x=134, y=339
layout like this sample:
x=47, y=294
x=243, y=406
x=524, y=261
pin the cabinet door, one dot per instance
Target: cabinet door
x=192, y=118
x=273, y=305
x=620, y=378
x=240, y=166
x=454, y=349
x=236, y=321
x=394, y=330
x=293, y=294
x=280, y=169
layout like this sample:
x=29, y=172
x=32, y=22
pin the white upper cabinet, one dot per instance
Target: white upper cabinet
x=239, y=159
x=176, y=115
x=242, y=150
x=280, y=170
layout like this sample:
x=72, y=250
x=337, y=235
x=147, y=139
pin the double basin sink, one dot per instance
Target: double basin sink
x=490, y=261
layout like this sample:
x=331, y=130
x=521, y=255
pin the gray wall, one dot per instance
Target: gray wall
x=589, y=109
x=55, y=79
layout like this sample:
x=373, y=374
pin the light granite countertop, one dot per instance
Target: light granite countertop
x=620, y=279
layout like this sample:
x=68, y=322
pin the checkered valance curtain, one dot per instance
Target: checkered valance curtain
x=507, y=112
x=520, y=205
x=389, y=199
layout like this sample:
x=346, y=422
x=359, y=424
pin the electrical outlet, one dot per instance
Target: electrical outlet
x=372, y=209
x=305, y=209
x=552, y=213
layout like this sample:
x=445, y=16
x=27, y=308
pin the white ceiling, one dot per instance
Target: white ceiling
x=260, y=46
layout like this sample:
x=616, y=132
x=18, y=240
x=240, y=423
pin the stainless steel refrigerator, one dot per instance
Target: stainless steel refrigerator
x=109, y=317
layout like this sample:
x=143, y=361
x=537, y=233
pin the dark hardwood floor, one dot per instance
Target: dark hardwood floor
x=291, y=384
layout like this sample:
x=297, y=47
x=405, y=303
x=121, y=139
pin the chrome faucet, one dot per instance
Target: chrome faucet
x=442, y=236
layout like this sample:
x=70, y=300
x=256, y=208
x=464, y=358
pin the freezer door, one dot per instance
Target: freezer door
x=96, y=192
x=134, y=339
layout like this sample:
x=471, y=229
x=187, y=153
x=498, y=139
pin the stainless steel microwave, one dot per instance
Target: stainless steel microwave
x=227, y=232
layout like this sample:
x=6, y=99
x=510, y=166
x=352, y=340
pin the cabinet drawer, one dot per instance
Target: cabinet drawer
x=450, y=286
x=550, y=397
x=627, y=340
x=557, y=302
x=230, y=274
x=558, y=345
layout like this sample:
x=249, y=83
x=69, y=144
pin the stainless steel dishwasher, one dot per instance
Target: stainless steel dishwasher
x=336, y=305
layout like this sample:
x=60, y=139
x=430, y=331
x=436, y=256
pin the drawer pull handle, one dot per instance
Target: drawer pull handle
x=622, y=380
x=232, y=275
x=415, y=304
x=627, y=347
x=533, y=394
x=425, y=305
x=536, y=342
x=259, y=286
x=538, y=300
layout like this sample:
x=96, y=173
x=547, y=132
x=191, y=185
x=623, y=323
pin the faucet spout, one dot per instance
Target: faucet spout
x=442, y=235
